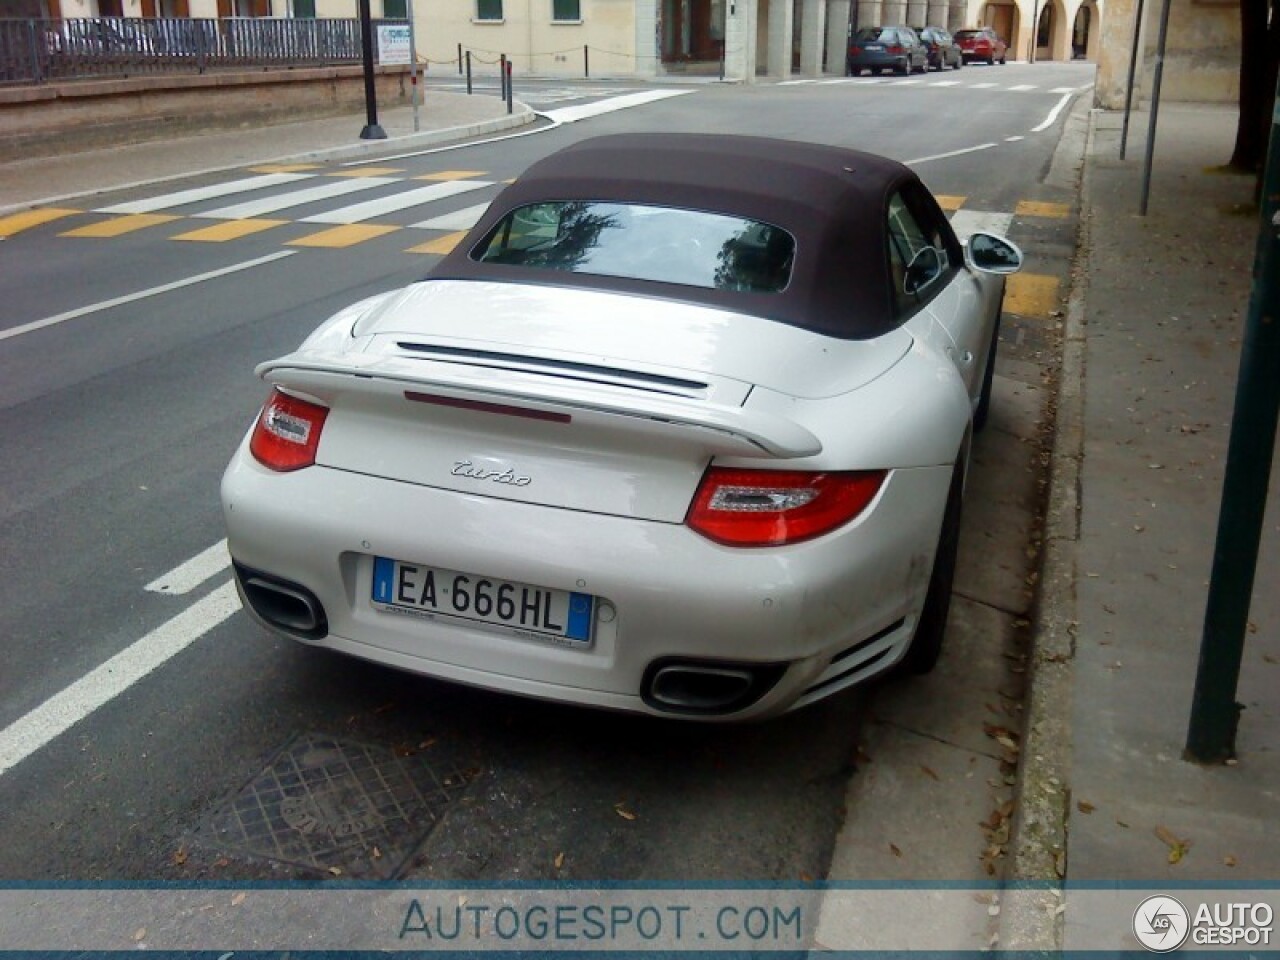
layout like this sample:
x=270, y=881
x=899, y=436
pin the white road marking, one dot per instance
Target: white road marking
x=1063, y=90
x=574, y=114
x=167, y=200
x=952, y=153
x=65, y=709
x=982, y=86
x=906, y=83
x=296, y=198
x=967, y=222
x=463, y=219
x=1019, y=88
x=796, y=83
x=828, y=83
x=1053, y=114
x=142, y=294
x=357, y=212
x=187, y=576
x=945, y=83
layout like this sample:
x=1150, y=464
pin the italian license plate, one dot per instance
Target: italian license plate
x=557, y=615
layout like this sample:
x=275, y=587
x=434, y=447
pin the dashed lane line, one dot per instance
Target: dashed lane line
x=65, y=709
x=187, y=576
x=142, y=295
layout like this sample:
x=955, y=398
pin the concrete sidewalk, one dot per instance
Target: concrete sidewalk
x=443, y=117
x=1153, y=342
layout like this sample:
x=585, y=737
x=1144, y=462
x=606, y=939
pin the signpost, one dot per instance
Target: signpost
x=1211, y=734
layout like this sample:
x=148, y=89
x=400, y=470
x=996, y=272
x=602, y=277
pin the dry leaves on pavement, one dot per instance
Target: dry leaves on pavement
x=1177, y=846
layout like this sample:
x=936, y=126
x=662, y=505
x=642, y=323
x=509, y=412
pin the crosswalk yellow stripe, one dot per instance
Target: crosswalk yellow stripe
x=17, y=222
x=229, y=230
x=949, y=203
x=120, y=225
x=440, y=245
x=1031, y=295
x=452, y=175
x=1036, y=208
x=367, y=172
x=345, y=236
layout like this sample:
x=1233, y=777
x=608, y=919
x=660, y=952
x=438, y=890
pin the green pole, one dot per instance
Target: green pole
x=1211, y=734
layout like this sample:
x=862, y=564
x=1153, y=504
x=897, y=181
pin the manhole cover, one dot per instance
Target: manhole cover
x=326, y=804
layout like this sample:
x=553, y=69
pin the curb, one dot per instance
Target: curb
x=523, y=115
x=1038, y=847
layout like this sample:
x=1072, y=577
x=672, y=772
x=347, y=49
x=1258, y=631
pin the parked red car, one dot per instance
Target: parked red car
x=981, y=43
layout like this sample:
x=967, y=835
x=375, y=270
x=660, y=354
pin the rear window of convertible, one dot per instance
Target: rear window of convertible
x=643, y=242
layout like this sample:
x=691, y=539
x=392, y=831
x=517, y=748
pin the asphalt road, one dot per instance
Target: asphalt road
x=116, y=420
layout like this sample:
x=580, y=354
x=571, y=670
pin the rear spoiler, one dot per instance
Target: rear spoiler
x=740, y=431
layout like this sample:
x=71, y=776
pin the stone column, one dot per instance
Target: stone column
x=778, y=64
x=917, y=14
x=894, y=12
x=813, y=25
x=740, y=40
x=1116, y=48
x=870, y=14
x=837, y=35
x=648, y=41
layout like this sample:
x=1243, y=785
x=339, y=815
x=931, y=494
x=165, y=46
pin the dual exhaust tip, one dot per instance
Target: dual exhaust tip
x=688, y=687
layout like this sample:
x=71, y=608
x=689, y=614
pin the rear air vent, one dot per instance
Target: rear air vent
x=563, y=369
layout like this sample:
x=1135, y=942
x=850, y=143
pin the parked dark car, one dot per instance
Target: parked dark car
x=941, y=48
x=886, y=48
x=983, y=44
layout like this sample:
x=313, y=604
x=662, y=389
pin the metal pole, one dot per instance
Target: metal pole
x=1155, y=107
x=502, y=75
x=508, y=74
x=459, y=59
x=468, y=71
x=371, y=129
x=586, y=62
x=1211, y=733
x=1133, y=69
x=722, y=46
x=413, y=66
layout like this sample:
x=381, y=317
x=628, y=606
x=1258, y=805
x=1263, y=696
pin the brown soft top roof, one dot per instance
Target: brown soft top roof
x=832, y=200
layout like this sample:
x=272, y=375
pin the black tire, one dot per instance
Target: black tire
x=903, y=68
x=983, y=409
x=926, y=646
x=959, y=63
x=991, y=61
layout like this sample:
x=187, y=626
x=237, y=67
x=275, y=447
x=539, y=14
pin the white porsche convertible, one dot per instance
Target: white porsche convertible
x=680, y=427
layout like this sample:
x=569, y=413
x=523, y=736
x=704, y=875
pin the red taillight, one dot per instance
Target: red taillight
x=287, y=432
x=894, y=49
x=769, y=508
x=855, y=51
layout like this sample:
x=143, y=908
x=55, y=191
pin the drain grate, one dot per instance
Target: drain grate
x=339, y=807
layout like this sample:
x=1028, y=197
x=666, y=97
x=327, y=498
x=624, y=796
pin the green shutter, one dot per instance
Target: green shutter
x=566, y=10
x=488, y=9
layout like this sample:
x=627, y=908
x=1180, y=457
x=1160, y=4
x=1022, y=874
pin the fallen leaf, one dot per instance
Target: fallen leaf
x=621, y=810
x=376, y=853
x=893, y=848
x=806, y=877
x=1269, y=658
x=928, y=772
x=139, y=934
x=238, y=899
x=221, y=862
x=1084, y=806
x=1177, y=846
x=559, y=860
x=1121, y=823
x=180, y=856
x=1229, y=860
x=336, y=871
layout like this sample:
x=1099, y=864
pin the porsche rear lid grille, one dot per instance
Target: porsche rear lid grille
x=570, y=370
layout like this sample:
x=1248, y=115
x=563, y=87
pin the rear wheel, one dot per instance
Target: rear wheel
x=926, y=646
x=903, y=67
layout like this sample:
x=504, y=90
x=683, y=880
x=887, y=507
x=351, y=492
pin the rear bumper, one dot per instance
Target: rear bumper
x=833, y=611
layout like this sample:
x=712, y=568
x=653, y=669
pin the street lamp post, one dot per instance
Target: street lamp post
x=371, y=129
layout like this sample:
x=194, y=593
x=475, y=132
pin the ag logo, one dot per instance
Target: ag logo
x=1161, y=924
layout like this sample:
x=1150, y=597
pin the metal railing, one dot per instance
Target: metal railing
x=38, y=51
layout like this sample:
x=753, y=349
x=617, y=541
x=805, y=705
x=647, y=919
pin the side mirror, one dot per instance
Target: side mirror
x=992, y=254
